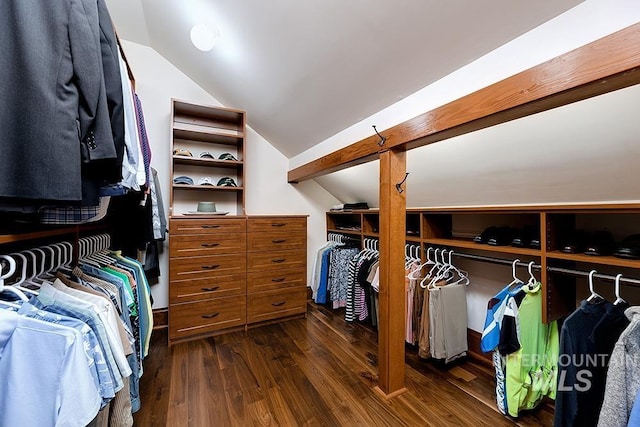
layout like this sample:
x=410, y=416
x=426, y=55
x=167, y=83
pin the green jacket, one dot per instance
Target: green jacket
x=531, y=372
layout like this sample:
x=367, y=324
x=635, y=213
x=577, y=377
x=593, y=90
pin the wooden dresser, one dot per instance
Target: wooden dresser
x=276, y=267
x=226, y=273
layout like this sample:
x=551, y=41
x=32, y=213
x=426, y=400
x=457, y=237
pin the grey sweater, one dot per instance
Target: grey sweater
x=623, y=376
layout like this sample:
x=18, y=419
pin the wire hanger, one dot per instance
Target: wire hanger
x=619, y=299
x=594, y=295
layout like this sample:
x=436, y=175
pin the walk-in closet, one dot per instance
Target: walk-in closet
x=287, y=213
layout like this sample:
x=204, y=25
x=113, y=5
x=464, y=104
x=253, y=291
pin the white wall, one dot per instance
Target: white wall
x=585, y=152
x=587, y=22
x=267, y=192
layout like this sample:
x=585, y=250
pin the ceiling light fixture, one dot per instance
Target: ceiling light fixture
x=204, y=36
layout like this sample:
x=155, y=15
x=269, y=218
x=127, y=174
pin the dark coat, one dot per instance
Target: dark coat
x=54, y=99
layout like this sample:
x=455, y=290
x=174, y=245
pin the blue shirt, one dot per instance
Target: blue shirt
x=45, y=376
x=50, y=299
x=95, y=356
x=321, y=298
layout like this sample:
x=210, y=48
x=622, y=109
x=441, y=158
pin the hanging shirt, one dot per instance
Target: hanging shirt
x=623, y=376
x=46, y=379
x=585, y=346
x=495, y=312
x=531, y=370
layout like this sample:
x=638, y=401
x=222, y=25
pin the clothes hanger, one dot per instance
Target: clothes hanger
x=515, y=280
x=452, y=271
x=415, y=274
x=23, y=275
x=619, y=299
x=435, y=270
x=532, y=279
x=594, y=297
x=9, y=288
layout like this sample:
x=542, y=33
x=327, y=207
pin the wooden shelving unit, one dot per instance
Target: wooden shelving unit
x=207, y=129
x=441, y=228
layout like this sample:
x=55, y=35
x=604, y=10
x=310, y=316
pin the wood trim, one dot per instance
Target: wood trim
x=605, y=65
x=391, y=357
x=160, y=318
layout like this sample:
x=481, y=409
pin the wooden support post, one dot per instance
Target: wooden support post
x=392, y=298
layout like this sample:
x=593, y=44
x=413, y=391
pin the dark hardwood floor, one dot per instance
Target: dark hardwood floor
x=313, y=371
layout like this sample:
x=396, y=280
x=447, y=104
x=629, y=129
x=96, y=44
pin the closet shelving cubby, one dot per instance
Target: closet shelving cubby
x=455, y=228
x=207, y=129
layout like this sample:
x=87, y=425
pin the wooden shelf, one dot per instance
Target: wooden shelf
x=592, y=259
x=63, y=230
x=352, y=232
x=210, y=136
x=196, y=161
x=370, y=234
x=206, y=187
x=468, y=244
x=413, y=239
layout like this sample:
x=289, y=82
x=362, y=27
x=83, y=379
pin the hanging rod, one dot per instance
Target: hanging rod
x=596, y=275
x=493, y=260
x=560, y=270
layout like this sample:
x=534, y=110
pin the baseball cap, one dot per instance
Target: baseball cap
x=227, y=156
x=206, y=155
x=226, y=182
x=182, y=152
x=183, y=179
x=207, y=180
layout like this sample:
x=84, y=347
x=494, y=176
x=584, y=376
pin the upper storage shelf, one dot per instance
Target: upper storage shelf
x=208, y=145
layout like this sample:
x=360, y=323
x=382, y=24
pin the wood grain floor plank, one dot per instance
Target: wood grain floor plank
x=316, y=371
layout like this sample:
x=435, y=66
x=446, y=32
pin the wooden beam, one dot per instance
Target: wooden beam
x=391, y=307
x=607, y=64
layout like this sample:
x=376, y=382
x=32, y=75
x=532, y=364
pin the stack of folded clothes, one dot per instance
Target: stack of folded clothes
x=346, y=207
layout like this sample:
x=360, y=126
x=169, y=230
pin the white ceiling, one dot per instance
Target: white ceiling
x=305, y=70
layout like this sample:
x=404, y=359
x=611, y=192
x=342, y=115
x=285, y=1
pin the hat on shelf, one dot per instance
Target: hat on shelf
x=226, y=182
x=206, y=207
x=183, y=179
x=207, y=180
x=629, y=247
x=206, y=155
x=227, y=156
x=182, y=152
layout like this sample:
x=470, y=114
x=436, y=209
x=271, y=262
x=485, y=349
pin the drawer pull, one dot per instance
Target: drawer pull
x=278, y=241
x=211, y=289
x=278, y=304
x=279, y=260
x=210, y=245
x=209, y=316
x=210, y=226
x=210, y=267
x=278, y=224
x=278, y=280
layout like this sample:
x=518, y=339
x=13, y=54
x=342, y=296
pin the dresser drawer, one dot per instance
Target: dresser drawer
x=202, y=226
x=270, y=261
x=278, y=240
x=206, y=244
x=283, y=224
x=274, y=304
x=206, y=267
x=212, y=287
x=258, y=281
x=206, y=316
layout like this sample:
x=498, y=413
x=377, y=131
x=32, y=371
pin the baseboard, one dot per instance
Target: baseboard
x=160, y=318
x=473, y=338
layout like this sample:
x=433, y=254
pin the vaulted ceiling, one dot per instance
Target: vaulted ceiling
x=305, y=70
